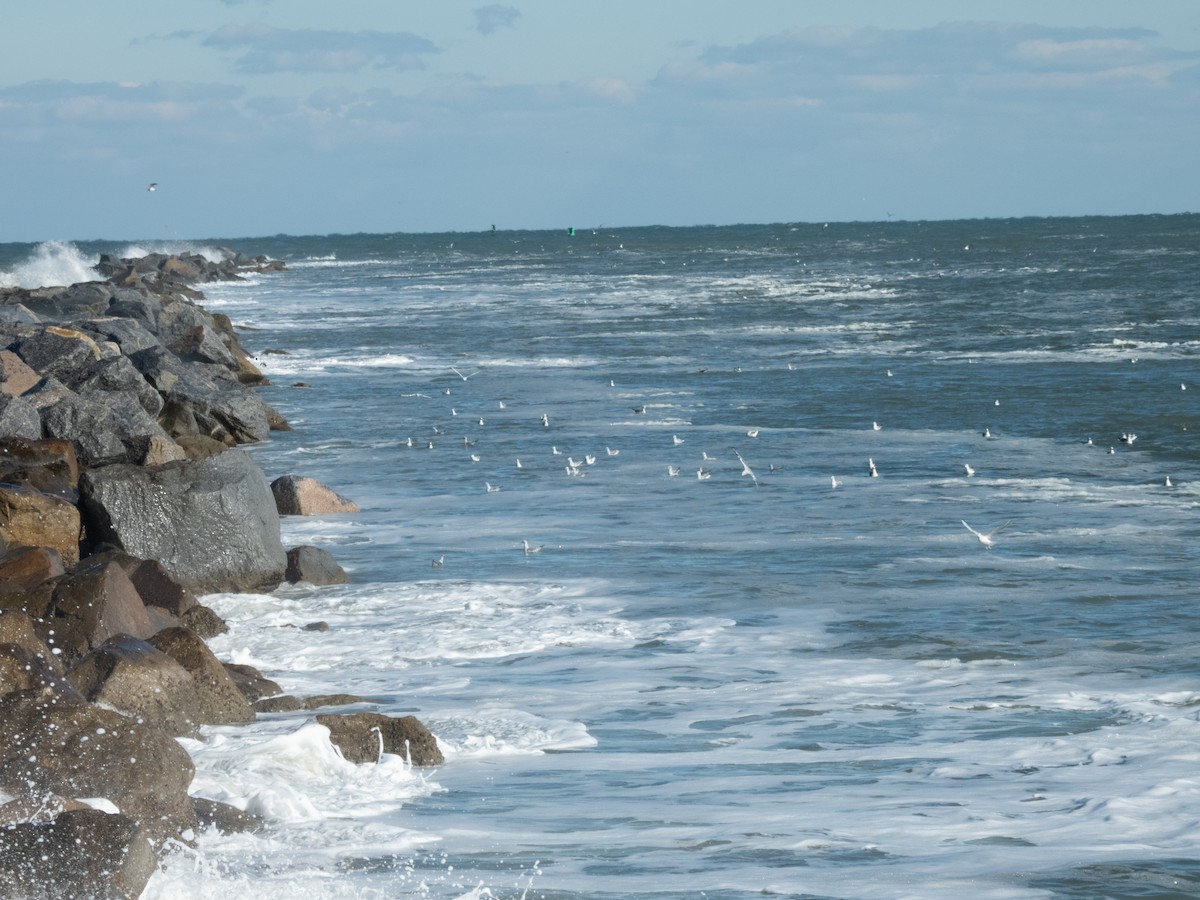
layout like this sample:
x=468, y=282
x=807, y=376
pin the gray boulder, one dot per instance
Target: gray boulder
x=19, y=418
x=211, y=522
x=313, y=565
x=207, y=395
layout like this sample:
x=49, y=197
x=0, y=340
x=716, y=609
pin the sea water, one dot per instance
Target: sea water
x=739, y=680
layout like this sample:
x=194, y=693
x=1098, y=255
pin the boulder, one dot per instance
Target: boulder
x=210, y=522
x=156, y=586
x=203, y=398
x=136, y=679
x=94, y=601
x=219, y=702
x=55, y=745
x=23, y=669
x=16, y=377
x=106, y=427
x=201, y=344
x=30, y=518
x=19, y=417
x=82, y=853
x=296, y=495
x=25, y=570
x=225, y=818
x=203, y=621
x=361, y=736
x=56, y=457
x=251, y=682
x=59, y=352
x=116, y=375
x=313, y=565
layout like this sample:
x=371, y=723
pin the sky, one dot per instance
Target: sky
x=261, y=117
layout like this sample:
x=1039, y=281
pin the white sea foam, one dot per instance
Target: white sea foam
x=53, y=264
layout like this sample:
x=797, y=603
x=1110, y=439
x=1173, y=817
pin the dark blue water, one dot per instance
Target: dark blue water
x=740, y=684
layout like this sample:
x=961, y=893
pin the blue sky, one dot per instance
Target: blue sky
x=258, y=117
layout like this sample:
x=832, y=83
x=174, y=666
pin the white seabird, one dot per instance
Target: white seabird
x=970, y=471
x=833, y=481
x=530, y=548
x=871, y=468
x=746, y=470
x=985, y=539
x=437, y=563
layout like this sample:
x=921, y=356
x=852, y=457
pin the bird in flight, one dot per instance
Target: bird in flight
x=461, y=375
x=985, y=539
x=152, y=186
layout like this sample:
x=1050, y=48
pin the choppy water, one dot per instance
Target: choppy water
x=732, y=687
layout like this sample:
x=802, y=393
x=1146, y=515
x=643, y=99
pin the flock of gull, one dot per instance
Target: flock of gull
x=579, y=467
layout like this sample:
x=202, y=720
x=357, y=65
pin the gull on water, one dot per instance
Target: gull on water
x=503, y=405
x=871, y=468
x=672, y=471
x=575, y=471
x=481, y=420
x=519, y=466
x=970, y=471
x=707, y=458
x=1128, y=437
x=573, y=462
x=474, y=457
x=676, y=439
x=833, y=481
x=1168, y=484
x=545, y=420
x=611, y=452
x=556, y=451
x=875, y=426
x=589, y=459
x=987, y=433
x=491, y=488
x=985, y=539
x=703, y=474
x=467, y=442
x=640, y=410
x=437, y=563
x=530, y=548
x=453, y=411
x=409, y=442
x=753, y=432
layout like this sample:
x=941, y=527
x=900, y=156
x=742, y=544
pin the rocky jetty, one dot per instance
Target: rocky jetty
x=123, y=497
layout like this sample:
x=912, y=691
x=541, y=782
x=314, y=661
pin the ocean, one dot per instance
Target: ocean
x=756, y=645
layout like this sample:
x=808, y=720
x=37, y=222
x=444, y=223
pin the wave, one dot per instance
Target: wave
x=53, y=264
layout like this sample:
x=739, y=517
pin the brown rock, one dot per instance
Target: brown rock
x=203, y=621
x=82, y=853
x=251, y=682
x=23, y=570
x=30, y=518
x=96, y=601
x=225, y=818
x=57, y=457
x=359, y=735
x=16, y=377
x=156, y=586
x=136, y=679
x=53, y=745
x=219, y=699
x=296, y=495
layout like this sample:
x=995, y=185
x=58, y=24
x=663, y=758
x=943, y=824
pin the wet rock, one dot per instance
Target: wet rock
x=136, y=679
x=19, y=417
x=225, y=818
x=93, y=602
x=203, y=621
x=211, y=522
x=82, y=853
x=30, y=518
x=251, y=682
x=54, y=745
x=361, y=736
x=313, y=565
x=25, y=571
x=219, y=701
x=296, y=495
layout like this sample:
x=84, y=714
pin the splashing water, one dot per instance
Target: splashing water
x=53, y=263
